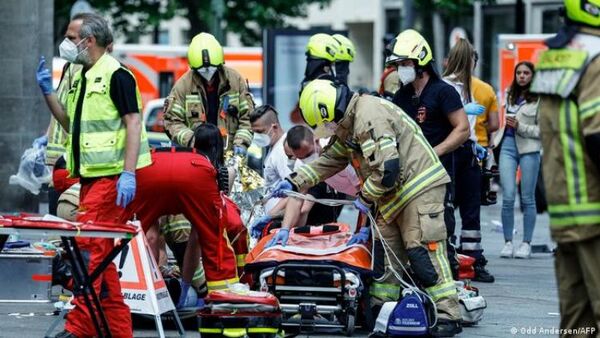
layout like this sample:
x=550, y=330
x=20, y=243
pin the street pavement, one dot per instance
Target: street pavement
x=522, y=302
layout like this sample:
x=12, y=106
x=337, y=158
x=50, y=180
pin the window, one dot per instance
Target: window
x=393, y=21
x=163, y=37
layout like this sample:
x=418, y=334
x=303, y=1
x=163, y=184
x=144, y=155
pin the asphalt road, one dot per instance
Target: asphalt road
x=523, y=299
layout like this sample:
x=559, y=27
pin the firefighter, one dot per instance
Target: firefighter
x=107, y=146
x=209, y=92
x=344, y=56
x=403, y=178
x=321, y=52
x=568, y=81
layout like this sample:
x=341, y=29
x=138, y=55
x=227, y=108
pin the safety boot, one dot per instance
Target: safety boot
x=481, y=273
x=446, y=328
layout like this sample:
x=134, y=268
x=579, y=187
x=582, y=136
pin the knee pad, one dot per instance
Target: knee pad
x=422, y=266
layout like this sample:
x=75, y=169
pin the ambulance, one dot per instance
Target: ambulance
x=157, y=68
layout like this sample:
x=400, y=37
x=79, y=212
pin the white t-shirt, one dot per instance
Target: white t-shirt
x=275, y=169
x=472, y=118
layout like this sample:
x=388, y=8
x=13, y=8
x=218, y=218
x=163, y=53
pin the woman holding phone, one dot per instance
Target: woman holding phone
x=520, y=146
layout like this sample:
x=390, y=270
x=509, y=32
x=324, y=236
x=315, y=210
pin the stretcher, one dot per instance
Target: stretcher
x=30, y=225
x=317, y=277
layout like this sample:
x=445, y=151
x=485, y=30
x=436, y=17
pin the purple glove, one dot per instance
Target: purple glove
x=361, y=237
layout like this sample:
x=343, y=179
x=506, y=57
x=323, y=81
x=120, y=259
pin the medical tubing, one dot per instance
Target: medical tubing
x=386, y=247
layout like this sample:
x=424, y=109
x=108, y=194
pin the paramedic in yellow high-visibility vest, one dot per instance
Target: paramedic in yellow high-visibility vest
x=106, y=145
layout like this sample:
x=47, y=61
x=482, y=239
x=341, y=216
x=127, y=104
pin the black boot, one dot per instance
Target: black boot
x=446, y=328
x=481, y=273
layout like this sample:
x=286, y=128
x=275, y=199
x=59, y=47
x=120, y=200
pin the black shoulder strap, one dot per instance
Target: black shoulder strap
x=64, y=70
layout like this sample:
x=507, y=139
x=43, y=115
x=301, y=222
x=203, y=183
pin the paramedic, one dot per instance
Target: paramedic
x=107, y=145
x=466, y=171
x=209, y=92
x=568, y=80
x=55, y=137
x=434, y=105
x=402, y=175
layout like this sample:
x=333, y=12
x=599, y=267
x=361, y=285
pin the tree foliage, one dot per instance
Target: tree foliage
x=245, y=17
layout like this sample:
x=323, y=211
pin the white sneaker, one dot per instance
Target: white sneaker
x=524, y=251
x=507, y=250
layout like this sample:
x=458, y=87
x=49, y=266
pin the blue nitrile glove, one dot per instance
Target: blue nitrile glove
x=239, y=150
x=474, y=108
x=40, y=142
x=258, y=226
x=481, y=152
x=361, y=237
x=125, y=188
x=280, y=189
x=185, y=289
x=361, y=206
x=44, y=77
x=281, y=236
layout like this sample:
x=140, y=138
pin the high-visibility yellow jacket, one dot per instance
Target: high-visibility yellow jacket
x=103, y=134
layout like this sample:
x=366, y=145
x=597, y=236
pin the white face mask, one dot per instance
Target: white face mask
x=207, y=72
x=407, y=74
x=310, y=158
x=326, y=130
x=69, y=51
x=262, y=139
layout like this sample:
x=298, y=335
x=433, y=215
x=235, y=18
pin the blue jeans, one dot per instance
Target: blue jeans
x=530, y=167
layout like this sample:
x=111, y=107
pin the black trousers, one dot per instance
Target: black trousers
x=465, y=172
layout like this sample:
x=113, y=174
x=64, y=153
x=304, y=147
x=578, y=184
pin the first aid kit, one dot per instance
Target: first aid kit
x=239, y=312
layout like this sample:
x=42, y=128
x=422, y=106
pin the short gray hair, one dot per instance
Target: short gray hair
x=96, y=25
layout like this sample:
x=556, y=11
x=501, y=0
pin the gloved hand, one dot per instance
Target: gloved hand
x=361, y=237
x=258, y=226
x=361, y=206
x=281, y=236
x=125, y=188
x=185, y=289
x=474, y=108
x=40, y=142
x=480, y=152
x=44, y=77
x=239, y=150
x=279, y=190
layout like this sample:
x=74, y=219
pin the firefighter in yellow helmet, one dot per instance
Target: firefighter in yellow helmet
x=568, y=80
x=345, y=55
x=321, y=51
x=209, y=92
x=404, y=181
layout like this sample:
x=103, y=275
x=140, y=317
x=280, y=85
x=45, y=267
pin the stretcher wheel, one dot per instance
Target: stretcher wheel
x=350, y=319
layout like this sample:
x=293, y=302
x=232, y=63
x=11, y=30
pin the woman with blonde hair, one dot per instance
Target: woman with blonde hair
x=466, y=170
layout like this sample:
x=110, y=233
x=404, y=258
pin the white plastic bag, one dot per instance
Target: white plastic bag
x=33, y=171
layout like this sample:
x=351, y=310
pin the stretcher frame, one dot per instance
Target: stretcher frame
x=82, y=277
